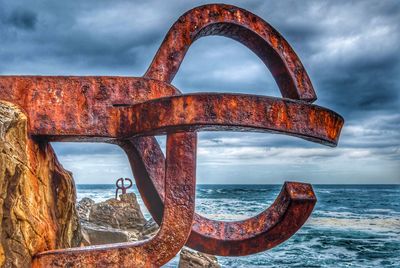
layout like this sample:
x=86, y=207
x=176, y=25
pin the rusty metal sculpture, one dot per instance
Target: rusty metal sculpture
x=121, y=186
x=128, y=111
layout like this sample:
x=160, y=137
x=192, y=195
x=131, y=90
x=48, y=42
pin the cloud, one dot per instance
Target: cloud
x=23, y=19
x=350, y=50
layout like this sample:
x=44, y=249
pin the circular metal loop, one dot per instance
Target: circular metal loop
x=240, y=25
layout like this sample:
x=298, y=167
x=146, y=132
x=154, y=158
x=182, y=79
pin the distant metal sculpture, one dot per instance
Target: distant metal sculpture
x=121, y=186
x=128, y=111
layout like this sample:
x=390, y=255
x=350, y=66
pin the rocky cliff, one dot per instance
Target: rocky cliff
x=37, y=196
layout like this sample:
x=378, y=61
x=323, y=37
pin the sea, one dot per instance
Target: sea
x=351, y=225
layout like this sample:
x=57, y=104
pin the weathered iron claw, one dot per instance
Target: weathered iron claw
x=271, y=227
x=128, y=110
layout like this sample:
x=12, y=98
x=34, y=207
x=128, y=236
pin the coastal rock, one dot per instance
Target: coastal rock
x=94, y=234
x=37, y=196
x=189, y=258
x=112, y=221
x=149, y=230
x=122, y=214
x=83, y=208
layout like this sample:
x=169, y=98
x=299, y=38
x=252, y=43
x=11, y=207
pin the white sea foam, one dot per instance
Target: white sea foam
x=391, y=225
x=225, y=217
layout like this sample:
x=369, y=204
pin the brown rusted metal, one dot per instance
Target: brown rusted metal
x=235, y=112
x=128, y=110
x=78, y=108
x=242, y=26
x=121, y=186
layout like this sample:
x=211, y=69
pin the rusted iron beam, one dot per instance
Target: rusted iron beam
x=61, y=108
x=84, y=108
x=232, y=112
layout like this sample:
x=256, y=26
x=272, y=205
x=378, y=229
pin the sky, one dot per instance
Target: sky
x=351, y=50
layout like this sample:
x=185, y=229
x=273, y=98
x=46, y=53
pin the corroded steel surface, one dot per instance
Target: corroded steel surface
x=78, y=108
x=237, y=112
x=120, y=185
x=128, y=110
x=240, y=25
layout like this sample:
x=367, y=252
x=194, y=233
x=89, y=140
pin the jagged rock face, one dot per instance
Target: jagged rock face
x=192, y=259
x=94, y=234
x=112, y=221
x=122, y=214
x=83, y=208
x=149, y=230
x=37, y=196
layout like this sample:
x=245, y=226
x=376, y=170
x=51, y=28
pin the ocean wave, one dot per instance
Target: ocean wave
x=225, y=217
x=383, y=210
x=350, y=226
x=336, y=214
x=388, y=225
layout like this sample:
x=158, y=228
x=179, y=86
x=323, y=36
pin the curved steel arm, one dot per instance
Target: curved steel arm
x=237, y=112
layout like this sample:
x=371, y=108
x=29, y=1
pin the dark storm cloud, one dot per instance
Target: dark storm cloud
x=349, y=48
x=23, y=19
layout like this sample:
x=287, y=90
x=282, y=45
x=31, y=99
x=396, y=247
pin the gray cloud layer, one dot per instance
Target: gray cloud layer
x=350, y=49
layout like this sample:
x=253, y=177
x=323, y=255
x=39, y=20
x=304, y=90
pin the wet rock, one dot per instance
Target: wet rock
x=37, y=196
x=189, y=258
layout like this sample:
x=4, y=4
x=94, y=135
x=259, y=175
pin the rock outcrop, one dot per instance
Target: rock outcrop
x=112, y=221
x=191, y=259
x=121, y=220
x=123, y=213
x=149, y=230
x=94, y=234
x=83, y=208
x=37, y=196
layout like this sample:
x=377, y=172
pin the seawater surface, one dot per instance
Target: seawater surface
x=351, y=226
